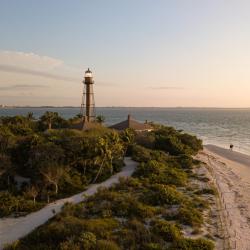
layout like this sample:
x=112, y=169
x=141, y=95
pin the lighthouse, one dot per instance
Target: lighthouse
x=88, y=102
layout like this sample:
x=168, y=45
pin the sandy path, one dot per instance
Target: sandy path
x=231, y=171
x=12, y=229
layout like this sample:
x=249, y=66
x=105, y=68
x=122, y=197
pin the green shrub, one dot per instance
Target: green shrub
x=153, y=246
x=211, y=191
x=170, y=176
x=190, y=216
x=170, y=144
x=69, y=245
x=162, y=194
x=106, y=245
x=175, y=142
x=102, y=228
x=199, y=203
x=146, y=140
x=191, y=141
x=140, y=153
x=140, y=232
x=88, y=240
x=168, y=231
x=161, y=173
x=185, y=161
x=149, y=168
x=9, y=203
x=192, y=244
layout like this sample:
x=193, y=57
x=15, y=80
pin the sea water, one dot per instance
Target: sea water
x=221, y=127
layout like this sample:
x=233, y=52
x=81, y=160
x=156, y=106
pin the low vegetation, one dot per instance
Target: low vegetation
x=147, y=211
x=40, y=163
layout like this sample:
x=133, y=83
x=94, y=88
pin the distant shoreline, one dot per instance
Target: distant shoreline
x=135, y=107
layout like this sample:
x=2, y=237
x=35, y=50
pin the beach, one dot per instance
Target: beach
x=230, y=173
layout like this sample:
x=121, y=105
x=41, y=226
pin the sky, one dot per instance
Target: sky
x=152, y=53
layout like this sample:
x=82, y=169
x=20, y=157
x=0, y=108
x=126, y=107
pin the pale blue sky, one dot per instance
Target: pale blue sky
x=142, y=52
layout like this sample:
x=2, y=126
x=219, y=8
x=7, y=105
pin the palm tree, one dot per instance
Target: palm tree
x=116, y=149
x=100, y=119
x=48, y=118
x=30, y=116
x=108, y=148
x=101, y=148
x=128, y=137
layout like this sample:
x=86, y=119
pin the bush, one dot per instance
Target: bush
x=141, y=154
x=163, y=194
x=176, y=143
x=141, y=233
x=9, y=203
x=88, y=240
x=190, y=216
x=149, y=168
x=146, y=140
x=102, y=228
x=106, y=245
x=170, y=144
x=192, y=244
x=211, y=191
x=153, y=246
x=69, y=245
x=192, y=142
x=168, y=231
x=161, y=173
x=170, y=176
x=185, y=161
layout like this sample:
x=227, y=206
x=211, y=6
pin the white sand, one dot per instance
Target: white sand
x=231, y=172
x=12, y=229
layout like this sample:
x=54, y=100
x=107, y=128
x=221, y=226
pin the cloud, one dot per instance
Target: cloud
x=29, y=60
x=167, y=87
x=23, y=87
x=36, y=65
x=20, y=70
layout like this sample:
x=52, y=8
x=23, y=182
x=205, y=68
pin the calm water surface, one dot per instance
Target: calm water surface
x=215, y=126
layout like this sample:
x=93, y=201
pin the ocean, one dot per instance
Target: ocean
x=213, y=125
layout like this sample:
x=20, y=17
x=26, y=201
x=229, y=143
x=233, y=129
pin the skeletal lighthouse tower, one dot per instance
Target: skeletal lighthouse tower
x=88, y=102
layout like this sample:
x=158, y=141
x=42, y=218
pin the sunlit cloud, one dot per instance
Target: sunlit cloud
x=20, y=70
x=31, y=64
x=29, y=60
x=23, y=87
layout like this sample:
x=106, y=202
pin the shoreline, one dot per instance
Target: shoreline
x=231, y=174
x=232, y=155
x=238, y=162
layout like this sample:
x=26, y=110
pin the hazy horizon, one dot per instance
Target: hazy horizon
x=184, y=53
x=141, y=107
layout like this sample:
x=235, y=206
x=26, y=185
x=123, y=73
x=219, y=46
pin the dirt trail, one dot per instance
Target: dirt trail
x=12, y=229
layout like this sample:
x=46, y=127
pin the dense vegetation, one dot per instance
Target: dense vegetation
x=39, y=164
x=149, y=210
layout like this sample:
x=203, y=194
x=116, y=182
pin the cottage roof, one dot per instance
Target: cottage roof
x=133, y=124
